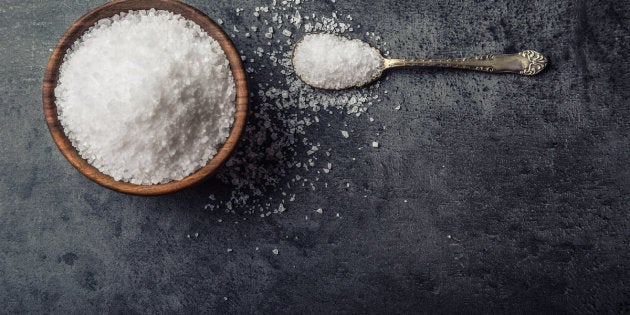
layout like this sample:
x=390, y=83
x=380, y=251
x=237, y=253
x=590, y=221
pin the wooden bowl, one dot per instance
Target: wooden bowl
x=108, y=10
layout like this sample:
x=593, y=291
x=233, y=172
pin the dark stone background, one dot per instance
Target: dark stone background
x=518, y=188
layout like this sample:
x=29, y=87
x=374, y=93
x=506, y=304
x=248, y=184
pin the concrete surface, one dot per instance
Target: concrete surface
x=517, y=188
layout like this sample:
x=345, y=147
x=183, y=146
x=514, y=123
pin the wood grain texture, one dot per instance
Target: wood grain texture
x=77, y=29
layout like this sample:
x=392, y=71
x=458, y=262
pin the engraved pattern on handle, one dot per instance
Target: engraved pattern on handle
x=536, y=62
x=527, y=62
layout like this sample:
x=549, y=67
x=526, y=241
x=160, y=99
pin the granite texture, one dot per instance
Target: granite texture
x=488, y=194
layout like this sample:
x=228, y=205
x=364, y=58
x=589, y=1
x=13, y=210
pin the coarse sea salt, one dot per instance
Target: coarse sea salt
x=146, y=97
x=330, y=61
x=280, y=157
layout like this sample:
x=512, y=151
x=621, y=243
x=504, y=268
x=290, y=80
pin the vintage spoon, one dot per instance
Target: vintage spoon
x=527, y=62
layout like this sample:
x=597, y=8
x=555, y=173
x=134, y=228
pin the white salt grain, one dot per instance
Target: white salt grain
x=333, y=62
x=146, y=97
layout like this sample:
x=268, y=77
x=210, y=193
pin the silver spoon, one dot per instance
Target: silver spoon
x=527, y=62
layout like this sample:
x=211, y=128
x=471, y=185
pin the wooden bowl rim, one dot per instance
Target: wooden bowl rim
x=111, y=8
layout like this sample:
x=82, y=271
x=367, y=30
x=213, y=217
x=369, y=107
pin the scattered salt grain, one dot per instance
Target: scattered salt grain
x=269, y=33
x=128, y=86
x=275, y=251
x=374, y=144
x=333, y=62
x=272, y=159
x=281, y=208
x=345, y=134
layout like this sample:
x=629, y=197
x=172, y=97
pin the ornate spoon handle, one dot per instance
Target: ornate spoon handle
x=527, y=62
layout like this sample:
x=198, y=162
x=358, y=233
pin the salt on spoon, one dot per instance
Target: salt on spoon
x=332, y=62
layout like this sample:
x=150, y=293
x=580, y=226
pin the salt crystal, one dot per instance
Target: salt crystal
x=345, y=134
x=269, y=33
x=374, y=144
x=275, y=251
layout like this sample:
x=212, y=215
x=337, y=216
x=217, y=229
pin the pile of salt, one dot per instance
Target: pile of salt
x=146, y=97
x=329, y=61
